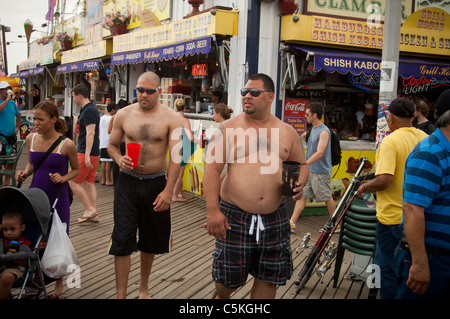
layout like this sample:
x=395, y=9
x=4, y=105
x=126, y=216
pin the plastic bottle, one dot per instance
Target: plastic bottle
x=13, y=247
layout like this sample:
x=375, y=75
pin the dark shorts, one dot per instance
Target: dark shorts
x=104, y=155
x=239, y=254
x=133, y=210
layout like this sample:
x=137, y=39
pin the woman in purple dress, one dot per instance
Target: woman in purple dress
x=55, y=168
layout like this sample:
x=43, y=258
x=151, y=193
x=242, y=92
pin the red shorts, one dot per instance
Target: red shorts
x=87, y=174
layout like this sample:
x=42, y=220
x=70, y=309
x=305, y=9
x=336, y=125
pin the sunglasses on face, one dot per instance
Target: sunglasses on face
x=253, y=92
x=148, y=91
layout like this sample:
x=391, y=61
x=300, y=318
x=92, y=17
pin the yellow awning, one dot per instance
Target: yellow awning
x=87, y=52
x=425, y=32
x=327, y=31
x=219, y=22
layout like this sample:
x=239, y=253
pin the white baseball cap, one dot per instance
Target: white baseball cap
x=4, y=85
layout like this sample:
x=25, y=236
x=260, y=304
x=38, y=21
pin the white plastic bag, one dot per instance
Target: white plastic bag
x=59, y=253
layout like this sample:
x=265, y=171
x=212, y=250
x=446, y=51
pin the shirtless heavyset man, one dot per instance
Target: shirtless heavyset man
x=250, y=223
x=142, y=194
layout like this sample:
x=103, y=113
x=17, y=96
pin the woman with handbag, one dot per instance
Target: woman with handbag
x=49, y=156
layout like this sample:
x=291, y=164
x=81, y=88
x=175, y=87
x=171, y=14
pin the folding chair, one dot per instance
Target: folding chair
x=14, y=157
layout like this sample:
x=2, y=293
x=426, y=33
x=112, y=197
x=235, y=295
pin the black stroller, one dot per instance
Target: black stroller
x=35, y=206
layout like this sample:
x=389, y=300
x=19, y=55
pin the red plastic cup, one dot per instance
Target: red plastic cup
x=133, y=152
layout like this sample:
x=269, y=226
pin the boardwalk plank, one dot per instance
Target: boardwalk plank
x=184, y=273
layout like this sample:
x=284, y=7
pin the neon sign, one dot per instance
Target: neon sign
x=413, y=85
x=413, y=81
x=199, y=70
x=364, y=82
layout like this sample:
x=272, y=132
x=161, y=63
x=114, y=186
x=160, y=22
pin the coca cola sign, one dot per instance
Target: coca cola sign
x=295, y=107
x=294, y=114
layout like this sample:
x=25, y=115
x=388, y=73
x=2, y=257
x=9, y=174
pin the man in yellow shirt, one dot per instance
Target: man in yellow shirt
x=388, y=183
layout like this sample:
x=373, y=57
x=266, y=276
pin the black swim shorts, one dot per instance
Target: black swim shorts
x=256, y=244
x=134, y=195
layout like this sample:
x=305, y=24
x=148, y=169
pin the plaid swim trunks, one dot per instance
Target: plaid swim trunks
x=259, y=245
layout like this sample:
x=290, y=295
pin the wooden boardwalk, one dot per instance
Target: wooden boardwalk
x=185, y=273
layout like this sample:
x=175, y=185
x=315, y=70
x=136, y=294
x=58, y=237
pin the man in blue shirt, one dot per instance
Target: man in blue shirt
x=318, y=159
x=423, y=259
x=9, y=121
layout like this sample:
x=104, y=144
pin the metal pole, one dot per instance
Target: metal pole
x=253, y=37
x=389, y=63
x=5, y=58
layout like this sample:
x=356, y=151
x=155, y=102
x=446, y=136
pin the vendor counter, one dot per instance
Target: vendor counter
x=352, y=154
x=193, y=172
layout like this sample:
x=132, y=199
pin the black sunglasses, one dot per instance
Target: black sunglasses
x=148, y=91
x=253, y=92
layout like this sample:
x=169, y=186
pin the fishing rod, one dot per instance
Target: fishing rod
x=328, y=230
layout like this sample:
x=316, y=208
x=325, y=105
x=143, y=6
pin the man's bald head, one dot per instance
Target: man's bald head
x=150, y=77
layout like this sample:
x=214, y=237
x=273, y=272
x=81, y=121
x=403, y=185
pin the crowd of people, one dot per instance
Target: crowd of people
x=411, y=183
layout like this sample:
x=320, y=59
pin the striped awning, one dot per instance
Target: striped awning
x=168, y=52
x=78, y=66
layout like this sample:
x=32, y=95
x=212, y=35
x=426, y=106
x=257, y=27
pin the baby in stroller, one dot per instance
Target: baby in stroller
x=28, y=228
x=13, y=241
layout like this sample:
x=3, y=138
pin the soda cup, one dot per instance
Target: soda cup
x=133, y=152
x=290, y=174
